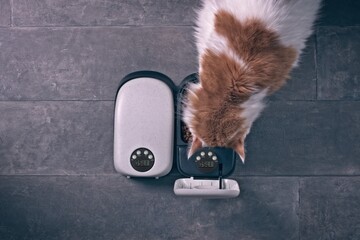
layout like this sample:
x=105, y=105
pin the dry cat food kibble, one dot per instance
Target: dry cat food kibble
x=185, y=133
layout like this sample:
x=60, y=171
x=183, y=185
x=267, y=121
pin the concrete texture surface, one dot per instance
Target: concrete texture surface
x=60, y=66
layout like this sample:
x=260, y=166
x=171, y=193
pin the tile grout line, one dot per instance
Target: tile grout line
x=11, y=13
x=300, y=177
x=296, y=176
x=143, y=26
x=109, y=100
x=57, y=100
x=316, y=64
x=134, y=26
x=102, y=26
x=299, y=202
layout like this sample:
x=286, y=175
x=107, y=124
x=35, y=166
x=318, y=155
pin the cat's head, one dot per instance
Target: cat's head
x=216, y=118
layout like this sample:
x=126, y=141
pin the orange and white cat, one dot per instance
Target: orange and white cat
x=246, y=49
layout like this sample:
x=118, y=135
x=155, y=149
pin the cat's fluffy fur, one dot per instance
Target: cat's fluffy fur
x=246, y=50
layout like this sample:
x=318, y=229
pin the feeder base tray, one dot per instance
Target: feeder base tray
x=191, y=187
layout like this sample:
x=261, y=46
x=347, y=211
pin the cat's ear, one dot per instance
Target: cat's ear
x=240, y=149
x=195, y=145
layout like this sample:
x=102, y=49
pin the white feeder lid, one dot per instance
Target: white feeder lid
x=191, y=187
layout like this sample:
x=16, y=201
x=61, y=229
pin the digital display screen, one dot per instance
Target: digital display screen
x=206, y=164
x=142, y=163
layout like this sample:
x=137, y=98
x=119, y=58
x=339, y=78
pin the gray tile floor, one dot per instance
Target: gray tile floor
x=60, y=64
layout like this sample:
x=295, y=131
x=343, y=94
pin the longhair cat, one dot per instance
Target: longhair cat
x=246, y=50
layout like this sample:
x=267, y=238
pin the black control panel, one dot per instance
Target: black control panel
x=142, y=159
x=207, y=162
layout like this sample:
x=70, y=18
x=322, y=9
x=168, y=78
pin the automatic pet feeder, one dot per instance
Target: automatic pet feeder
x=144, y=126
x=207, y=167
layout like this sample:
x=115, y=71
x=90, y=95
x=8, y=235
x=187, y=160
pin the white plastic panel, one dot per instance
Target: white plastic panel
x=206, y=188
x=144, y=118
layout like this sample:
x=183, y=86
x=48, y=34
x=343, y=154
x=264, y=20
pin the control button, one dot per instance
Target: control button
x=150, y=156
x=202, y=154
x=214, y=158
x=138, y=152
x=146, y=152
x=133, y=156
x=210, y=154
x=198, y=158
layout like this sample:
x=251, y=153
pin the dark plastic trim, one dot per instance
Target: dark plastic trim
x=180, y=144
x=192, y=78
x=151, y=74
